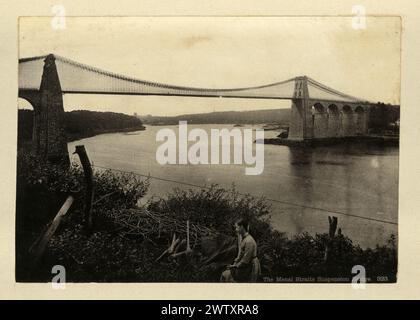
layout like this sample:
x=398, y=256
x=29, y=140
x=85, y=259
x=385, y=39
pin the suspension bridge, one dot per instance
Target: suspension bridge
x=317, y=112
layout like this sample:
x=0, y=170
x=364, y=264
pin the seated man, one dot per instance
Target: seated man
x=246, y=267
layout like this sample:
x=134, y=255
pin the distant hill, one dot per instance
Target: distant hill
x=82, y=123
x=279, y=116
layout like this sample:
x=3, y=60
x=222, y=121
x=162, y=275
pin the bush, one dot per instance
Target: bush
x=215, y=208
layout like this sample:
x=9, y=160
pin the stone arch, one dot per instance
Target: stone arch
x=348, y=125
x=360, y=121
x=319, y=120
x=32, y=96
x=334, y=123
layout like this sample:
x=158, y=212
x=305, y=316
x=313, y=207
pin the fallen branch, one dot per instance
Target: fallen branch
x=37, y=250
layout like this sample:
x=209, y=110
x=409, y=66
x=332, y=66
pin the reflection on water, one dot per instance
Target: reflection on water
x=356, y=179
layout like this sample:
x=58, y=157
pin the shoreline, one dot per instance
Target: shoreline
x=378, y=140
x=75, y=137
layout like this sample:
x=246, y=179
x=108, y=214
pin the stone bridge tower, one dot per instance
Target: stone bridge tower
x=328, y=117
x=300, y=112
x=49, y=139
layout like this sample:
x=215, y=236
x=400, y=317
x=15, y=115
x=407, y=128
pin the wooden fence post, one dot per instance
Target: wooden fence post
x=331, y=234
x=87, y=169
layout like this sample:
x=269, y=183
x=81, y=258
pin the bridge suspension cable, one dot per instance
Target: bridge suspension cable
x=76, y=77
x=330, y=90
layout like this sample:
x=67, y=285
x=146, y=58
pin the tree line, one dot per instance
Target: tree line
x=82, y=123
x=279, y=116
x=383, y=117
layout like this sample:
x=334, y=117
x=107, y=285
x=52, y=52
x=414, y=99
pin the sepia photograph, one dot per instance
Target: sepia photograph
x=208, y=149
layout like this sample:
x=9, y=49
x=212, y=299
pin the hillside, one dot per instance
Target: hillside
x=82, y=123
x=280, y=116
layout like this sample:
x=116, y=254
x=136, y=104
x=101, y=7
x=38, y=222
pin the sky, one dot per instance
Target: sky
x=222, y=52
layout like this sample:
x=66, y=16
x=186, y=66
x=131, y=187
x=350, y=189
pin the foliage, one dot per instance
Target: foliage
x=87, y=123
x=113, y=254
x=215, y=208
x=381, y=118
x=82, y=123
x=42, y=189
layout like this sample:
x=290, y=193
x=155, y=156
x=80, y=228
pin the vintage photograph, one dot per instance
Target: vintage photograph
x=208, y=149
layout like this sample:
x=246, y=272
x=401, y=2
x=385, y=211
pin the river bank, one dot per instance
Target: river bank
x=79, y=136
x=378, y=140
